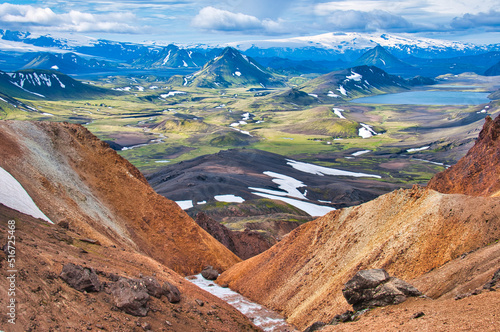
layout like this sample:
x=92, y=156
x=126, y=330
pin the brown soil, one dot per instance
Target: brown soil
x=44, y=302
x=74, y=177
x=406, y=232
x=476, y=313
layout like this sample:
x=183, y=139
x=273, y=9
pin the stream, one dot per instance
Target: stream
x=262, y=317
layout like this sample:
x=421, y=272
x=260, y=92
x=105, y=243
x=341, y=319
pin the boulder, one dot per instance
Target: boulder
x=171, y=292
x=375, y=288
x=209, y=273
x=131, y=296
x=153, y=287
x=80, y=278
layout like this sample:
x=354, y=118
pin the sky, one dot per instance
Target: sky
x=204, y=21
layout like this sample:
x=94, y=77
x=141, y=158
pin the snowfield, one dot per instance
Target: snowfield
x=321, y=170
x=13, y=195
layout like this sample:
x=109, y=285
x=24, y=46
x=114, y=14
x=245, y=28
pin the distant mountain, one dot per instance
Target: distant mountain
x=231, y=68
x=349, y=46
x=493, y=70
x=358, y=81
x=478, y=64
x=49, y=84
x=68, y=63
x=381, y=58
x=172, y=56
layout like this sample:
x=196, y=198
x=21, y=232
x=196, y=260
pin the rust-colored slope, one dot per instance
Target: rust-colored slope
x=75, y=177
x=407, y=232
x=478, y=172
x=44, y=302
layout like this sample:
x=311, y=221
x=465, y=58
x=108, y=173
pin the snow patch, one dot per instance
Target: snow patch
x=342, y=90
x=185, y=204
x=418, y=149
x=355, y=77
x=366, y=131
x=321, y=170
x=359, y=153
x=229, y=198
x=14, y=196
x=338, y=112
x=310, y=208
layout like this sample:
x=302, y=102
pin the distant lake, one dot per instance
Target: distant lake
x=428, y=98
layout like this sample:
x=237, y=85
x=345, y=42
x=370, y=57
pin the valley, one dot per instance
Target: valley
x=286, y=175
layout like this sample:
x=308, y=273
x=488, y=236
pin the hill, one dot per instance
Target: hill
x=493, y=70
x=231, y=68
x=409, y=233
x=77, y=179
x=356, y=82
x=48, y=84
x=381, y=58
x=173, y=56
x=68, y=63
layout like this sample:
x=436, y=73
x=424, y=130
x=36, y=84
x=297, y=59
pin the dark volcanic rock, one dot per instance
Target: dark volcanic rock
x=375, y=288
x=80, y=278
x=209, y=273
x=131, y=296
x=235, y=171
x=477, y=173
x=171, y=292
x=244, y=244
x=153, y=287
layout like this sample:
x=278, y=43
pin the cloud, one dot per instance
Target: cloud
x=355, y=20
x=26, y=17
x=213, y=19
x=490, y=20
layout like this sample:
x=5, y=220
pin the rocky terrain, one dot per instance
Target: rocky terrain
x=411, y=233
x=77, y=179
x=476, y=174
x=45, y=302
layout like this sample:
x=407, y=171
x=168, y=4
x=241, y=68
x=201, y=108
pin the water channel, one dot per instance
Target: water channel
x=262, y=317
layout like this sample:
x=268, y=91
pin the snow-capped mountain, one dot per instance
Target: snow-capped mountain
x=347, y=45
x=47, y=84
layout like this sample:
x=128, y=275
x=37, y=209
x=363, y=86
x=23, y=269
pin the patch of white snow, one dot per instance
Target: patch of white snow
x=14, y=196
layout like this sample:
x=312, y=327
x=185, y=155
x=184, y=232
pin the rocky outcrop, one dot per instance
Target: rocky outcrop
x=80, y=278
x=406, y=232
x=244, y=244
x=131, y=296
x=210, y=273
x=375, y=288
x=74, y=177
x=45, y=302
x=477, y=173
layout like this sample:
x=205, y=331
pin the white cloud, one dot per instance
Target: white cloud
x=355, y=20
x=26, y=17
x=213, y=19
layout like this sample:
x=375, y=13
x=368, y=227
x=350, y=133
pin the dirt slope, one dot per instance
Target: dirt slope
x=44, y=302
x=478, y=172
x=407, y=232
x=74, y=177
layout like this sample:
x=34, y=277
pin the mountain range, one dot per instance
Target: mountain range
x=322, y=53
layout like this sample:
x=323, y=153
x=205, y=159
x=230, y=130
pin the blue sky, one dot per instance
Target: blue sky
x=203, y=21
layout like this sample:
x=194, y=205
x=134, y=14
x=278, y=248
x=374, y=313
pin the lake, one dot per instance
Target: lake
x=428, y=98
